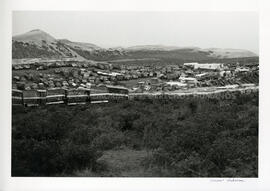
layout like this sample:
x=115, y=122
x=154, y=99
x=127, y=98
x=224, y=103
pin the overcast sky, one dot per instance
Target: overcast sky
x=110, y=29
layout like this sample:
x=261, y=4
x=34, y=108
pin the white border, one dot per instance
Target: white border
x=28, y=184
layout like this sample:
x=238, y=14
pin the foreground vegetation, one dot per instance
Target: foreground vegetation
x=179, y=138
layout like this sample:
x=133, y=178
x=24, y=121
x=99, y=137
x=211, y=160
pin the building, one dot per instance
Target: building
x=188, y=80
x=205, y=66
x=177, y=84
x=191, y=82
x=241, y=69
x=201, y=76
x=117, y=89
x=211, y=66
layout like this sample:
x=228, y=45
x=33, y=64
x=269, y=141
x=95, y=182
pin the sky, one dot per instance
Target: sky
x=237, y=30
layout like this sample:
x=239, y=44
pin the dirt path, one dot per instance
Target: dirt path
x=124, y=163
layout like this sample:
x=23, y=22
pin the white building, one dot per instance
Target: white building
x=211, y=66
x=179, y=84
x=207, y=66
x=191, y=82
x=202, y=75
x=241, y=69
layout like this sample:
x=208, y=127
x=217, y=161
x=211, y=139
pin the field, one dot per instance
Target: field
x=157, y=138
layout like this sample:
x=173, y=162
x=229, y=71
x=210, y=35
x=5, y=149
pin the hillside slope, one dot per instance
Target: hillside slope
x=230, y=53
x=39, y=44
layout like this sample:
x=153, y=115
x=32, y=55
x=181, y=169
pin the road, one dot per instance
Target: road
x=200, y=91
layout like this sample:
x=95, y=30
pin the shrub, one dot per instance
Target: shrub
x=188, y=138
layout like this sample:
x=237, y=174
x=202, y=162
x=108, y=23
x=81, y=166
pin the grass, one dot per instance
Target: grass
x=124, y=162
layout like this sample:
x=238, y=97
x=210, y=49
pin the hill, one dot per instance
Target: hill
x=80, y=45
x=156, y=47
x=36, y=36
x=230, y=53
x=39, y=44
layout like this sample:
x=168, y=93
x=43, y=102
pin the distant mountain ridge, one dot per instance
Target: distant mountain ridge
x=39, y=44
x=157, y=47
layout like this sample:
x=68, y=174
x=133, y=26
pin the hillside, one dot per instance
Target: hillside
x=36, y=36
x=80, y=45
x=156, y=47
x=39, y=44
x=230, y=53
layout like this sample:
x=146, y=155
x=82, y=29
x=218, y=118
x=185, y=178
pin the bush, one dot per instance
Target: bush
x=188, y=138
